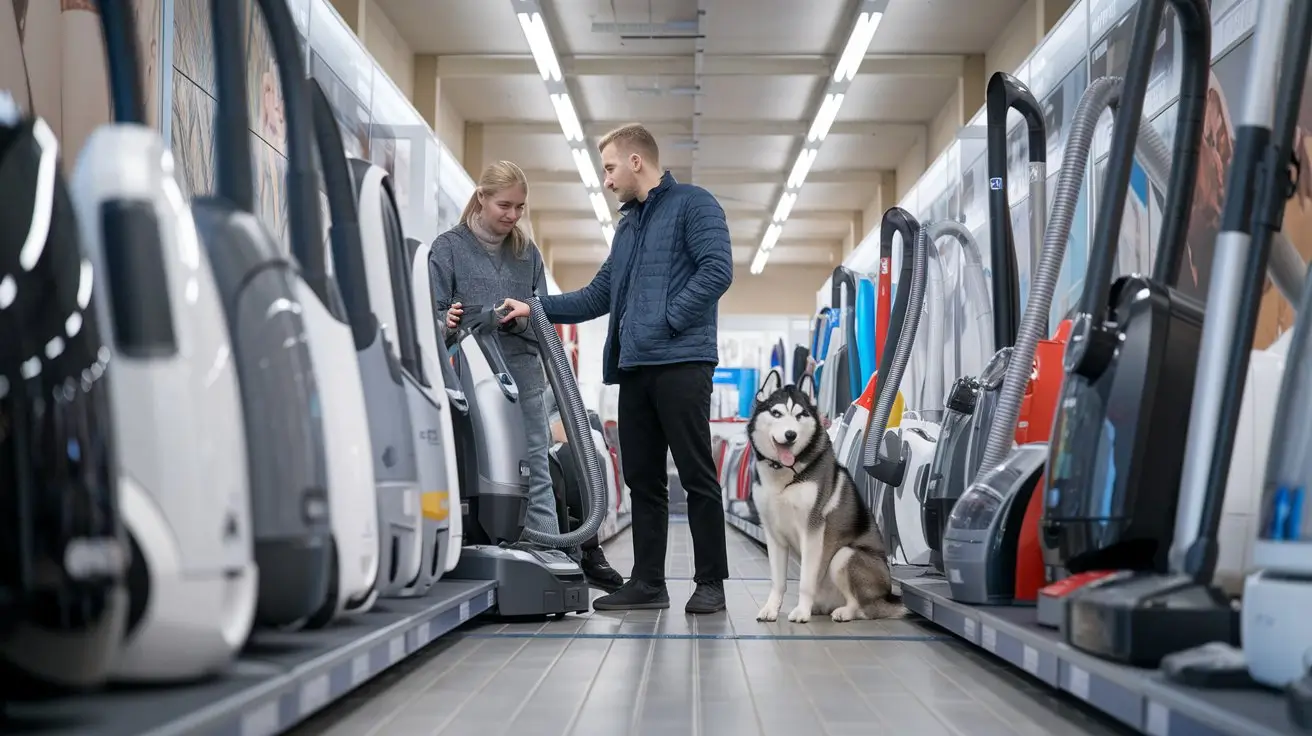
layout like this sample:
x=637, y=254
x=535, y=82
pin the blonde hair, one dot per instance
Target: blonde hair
x=498, y=177
x=634, y=138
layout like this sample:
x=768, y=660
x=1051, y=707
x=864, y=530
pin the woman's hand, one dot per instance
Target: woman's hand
x=453, y=315
x=516, y=309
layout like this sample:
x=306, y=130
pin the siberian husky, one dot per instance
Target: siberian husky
x=809, y=504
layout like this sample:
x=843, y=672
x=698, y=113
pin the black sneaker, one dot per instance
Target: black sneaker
x=599, y=572
x=635, y=595
x=707, y=598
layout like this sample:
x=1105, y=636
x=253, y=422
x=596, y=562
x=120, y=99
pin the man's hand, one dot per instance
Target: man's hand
x=516, y=309
x=453, y=315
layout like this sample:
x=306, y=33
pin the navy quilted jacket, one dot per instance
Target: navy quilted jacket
x=669, y=264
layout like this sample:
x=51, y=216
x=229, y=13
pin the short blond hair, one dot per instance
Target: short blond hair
x=633, y=138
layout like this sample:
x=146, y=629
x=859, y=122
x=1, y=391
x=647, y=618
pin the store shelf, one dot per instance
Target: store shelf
x=282, y=678
x=1141, y=699
x=751, y=529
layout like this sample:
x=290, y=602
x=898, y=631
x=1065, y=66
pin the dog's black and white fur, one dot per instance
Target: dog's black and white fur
x=808, y=504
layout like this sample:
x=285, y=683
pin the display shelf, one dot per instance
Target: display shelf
x=280, y=680
x=1141, y=699
x=751, y=529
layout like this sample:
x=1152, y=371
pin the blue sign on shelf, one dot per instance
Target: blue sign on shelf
x=746, y=381
x=995, y=183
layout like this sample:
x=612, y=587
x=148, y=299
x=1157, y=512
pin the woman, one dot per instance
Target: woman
x=484, y=260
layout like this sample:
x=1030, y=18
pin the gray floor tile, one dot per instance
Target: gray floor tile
x=663, y=673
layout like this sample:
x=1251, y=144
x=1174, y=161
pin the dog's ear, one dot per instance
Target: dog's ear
x=773, y=382
x=808, y=387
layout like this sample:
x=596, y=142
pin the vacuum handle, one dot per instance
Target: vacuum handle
x=1004, y=94
x=484, y=326
x=123, y=61
x=1196, y=30
x=842, y=276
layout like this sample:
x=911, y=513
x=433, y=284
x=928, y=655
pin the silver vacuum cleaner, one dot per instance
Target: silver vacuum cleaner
x=534, y=576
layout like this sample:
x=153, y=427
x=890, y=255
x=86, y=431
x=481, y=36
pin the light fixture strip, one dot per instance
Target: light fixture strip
x=869, y=15
x=544, y=54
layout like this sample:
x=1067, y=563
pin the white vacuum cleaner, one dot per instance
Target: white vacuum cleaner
x=184, y=494
x=386, y=271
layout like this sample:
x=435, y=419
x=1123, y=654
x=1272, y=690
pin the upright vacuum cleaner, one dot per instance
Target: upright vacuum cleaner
x=184, y=489
x=1139, y=616
x=63, y=550
x=1113, y=466
x=994, y=538
x=534, y=576
x=290, y=509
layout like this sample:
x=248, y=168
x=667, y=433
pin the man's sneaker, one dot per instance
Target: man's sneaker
x=635, y=595
x=599, y=572
x=707, y=598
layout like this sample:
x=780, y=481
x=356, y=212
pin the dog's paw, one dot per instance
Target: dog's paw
x=800, y=614
x=770, y=612
x=843, y=614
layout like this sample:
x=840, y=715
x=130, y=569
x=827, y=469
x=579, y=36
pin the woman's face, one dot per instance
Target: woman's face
x=502, y=210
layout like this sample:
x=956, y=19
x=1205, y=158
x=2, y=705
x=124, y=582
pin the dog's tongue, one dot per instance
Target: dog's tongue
x=786, y=456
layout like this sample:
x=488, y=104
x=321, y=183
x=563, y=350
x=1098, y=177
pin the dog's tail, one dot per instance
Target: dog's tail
x=890, y=606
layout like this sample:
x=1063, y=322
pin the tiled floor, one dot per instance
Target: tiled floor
x=659, y=673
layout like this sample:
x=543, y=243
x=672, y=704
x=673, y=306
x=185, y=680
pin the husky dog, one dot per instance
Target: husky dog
x=808, y=503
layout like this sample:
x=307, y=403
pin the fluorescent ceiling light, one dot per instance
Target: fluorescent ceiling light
x=849, y=63
x=569, y=120
x=539, y=44
x=544, y=55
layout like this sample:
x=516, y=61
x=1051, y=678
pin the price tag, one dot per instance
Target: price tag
x=1079, y=683
x=314, y=694
x=425, y=633
x=970, y=628
x=396, y=649
x=464, y=611
x=359, y=669
x=1158, y=720
x=989, y=639
x=1030, y=663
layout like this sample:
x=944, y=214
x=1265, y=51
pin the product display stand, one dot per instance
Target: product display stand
x=1139, y=698
x=280, y=680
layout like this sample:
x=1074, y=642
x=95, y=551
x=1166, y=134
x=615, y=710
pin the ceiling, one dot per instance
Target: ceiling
x=765, y=66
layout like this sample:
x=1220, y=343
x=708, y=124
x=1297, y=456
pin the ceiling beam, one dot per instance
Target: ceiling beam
x=733, y=128
x=729, y=177
x=714, y=65
x=546, y=218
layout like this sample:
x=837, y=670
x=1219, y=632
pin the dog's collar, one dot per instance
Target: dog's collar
x=776, y=465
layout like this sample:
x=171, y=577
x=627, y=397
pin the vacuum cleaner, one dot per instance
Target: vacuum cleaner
x=400, y=514
x=903, y=468
x=285, y=445
x=994, y=540
x=63, y=550
x=451, y=404
x=347, y=446
x=426, y=398
x=1113, y=467
x=534, y=576
x=184, y=491
x=886, y=455
x=1137, y=616
x=836, y=389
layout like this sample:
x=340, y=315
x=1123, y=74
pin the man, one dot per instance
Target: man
x=669, y=264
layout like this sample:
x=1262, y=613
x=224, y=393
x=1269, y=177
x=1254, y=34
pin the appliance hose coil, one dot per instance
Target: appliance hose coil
x=1154, y=156
x=901, y=355
x=578, y=432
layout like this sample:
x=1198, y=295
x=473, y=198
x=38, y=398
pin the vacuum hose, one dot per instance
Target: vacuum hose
x=878, y=423
x=1155, y=158
x=578, y=432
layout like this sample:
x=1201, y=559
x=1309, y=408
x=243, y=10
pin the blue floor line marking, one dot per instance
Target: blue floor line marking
x=693, y=637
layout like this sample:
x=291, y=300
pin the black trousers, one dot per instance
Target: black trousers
x=669, y=407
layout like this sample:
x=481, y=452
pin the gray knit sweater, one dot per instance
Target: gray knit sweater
x=461, y=269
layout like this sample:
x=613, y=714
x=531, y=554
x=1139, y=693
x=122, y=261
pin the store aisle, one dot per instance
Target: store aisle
x=663, y=673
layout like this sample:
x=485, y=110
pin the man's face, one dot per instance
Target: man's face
x=621, y=169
